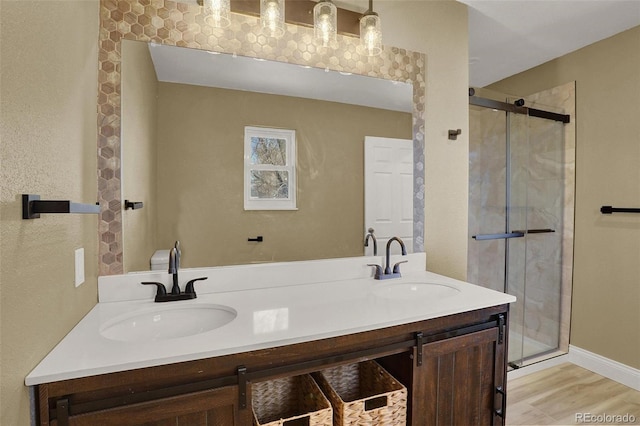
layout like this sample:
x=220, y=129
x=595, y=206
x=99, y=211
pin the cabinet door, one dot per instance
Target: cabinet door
x=215, y=407
x=458, y=380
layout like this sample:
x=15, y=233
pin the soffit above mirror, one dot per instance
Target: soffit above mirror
x=212, y=69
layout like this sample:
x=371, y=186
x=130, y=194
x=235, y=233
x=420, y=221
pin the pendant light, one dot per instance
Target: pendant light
x=272, y=17
x=325, y=20
x=370, y=32
x=217, y=13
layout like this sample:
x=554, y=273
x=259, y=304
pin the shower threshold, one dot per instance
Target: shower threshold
x=526, y=350
x=534, y=359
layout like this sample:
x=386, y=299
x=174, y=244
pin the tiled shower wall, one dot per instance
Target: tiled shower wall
x=542, y=280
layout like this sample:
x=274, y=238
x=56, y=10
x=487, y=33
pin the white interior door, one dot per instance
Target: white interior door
x=388, y=191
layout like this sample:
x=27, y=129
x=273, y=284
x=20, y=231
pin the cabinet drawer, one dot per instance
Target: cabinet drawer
x=204, y=408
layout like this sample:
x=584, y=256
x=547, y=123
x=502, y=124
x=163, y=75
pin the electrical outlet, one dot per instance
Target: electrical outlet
x=79, y=266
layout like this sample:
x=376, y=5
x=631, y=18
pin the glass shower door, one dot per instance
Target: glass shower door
x=515, y=222
x=541, y=319
x=497, y=210
x=517, y=176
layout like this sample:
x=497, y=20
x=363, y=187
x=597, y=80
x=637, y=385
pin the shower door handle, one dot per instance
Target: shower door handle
x=504, y=235
x=536, y=231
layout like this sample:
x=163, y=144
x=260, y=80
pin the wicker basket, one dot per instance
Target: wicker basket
x=364, y=394
x=290, y=401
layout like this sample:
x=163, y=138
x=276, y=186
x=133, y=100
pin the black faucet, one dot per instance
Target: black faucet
x=174, y=265
x=372, y=237
x=388, y=272
x=176, y=294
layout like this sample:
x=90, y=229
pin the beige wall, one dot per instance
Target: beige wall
x=200, y=175
x=439, y=29
x=139, y=111
x=48, y=127
x=606, y=295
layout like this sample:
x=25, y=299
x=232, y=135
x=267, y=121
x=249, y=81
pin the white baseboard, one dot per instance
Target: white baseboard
x=538, y=366
x=606, y=367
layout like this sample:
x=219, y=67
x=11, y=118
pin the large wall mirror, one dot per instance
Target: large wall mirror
x=171, y=139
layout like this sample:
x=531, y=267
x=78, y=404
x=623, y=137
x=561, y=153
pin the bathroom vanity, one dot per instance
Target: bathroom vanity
x=444, y=339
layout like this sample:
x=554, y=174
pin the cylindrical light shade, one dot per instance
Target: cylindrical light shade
x=217, y=13
x=272, y=17
x=371, y=34
x=325, y=22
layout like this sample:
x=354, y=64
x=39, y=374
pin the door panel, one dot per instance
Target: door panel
x=388, y=183
x=456, y=383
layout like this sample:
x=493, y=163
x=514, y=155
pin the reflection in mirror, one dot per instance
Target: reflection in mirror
x=182, y=136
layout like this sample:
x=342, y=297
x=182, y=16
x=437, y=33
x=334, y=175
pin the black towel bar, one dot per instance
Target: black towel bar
x=133, y=205
x=33, y=206
x=609, y=210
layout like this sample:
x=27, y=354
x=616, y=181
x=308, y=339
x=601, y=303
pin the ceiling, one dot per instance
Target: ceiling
x=510, y=36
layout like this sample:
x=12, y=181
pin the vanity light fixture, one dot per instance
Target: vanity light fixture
x=325, y=22
x=217, y=13
x=272, y=17
x=370, y=32
x=321, y=14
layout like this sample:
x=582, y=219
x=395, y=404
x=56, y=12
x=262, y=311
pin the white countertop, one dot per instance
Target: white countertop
x=266, y=317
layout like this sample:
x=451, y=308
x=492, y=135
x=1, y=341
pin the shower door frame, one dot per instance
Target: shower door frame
x=505, y=106
x=519, y=108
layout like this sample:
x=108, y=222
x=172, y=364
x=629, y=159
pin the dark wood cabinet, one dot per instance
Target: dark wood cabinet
x=454, y=368
x=457, y=382
x=214, y=407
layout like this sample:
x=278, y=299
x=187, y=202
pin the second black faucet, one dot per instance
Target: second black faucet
x=388, y=272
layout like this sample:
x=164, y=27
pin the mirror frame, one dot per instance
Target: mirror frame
x=182, y=24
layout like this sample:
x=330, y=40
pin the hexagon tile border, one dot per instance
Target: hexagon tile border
x=181, y=24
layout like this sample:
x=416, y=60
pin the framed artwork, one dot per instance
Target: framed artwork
x=269, y=169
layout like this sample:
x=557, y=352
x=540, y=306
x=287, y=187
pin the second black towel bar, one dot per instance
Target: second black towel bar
x=609, y=210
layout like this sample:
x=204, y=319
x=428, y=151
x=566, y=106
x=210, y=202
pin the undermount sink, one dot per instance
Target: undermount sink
x=167, y=322
x=415, y=291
